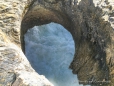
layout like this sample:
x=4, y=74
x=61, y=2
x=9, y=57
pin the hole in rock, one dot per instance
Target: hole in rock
x=50, y=49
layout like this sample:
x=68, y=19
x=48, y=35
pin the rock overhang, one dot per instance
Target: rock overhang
x=89, y=30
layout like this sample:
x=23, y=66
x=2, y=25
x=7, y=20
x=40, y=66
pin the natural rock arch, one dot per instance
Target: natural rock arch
x=90, y=32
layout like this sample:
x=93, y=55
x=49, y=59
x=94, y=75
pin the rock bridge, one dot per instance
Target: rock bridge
x=89, y=21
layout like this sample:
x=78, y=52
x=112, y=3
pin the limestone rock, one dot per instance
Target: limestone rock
x=90, y=22
x=15, y=70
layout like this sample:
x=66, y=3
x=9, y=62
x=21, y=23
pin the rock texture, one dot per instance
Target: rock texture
x=15, y=70
x=90, y=22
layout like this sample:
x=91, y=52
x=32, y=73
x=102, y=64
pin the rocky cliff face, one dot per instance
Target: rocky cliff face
x=90, y=23
x=15, y=70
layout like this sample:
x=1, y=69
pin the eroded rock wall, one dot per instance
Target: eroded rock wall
x=89, y=21
x=15, y=70
x=91, y=30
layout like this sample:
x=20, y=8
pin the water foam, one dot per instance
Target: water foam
x=50, y=49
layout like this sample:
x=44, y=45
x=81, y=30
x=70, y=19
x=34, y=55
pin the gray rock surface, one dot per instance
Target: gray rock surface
x=90, y=22
x=15, y=70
